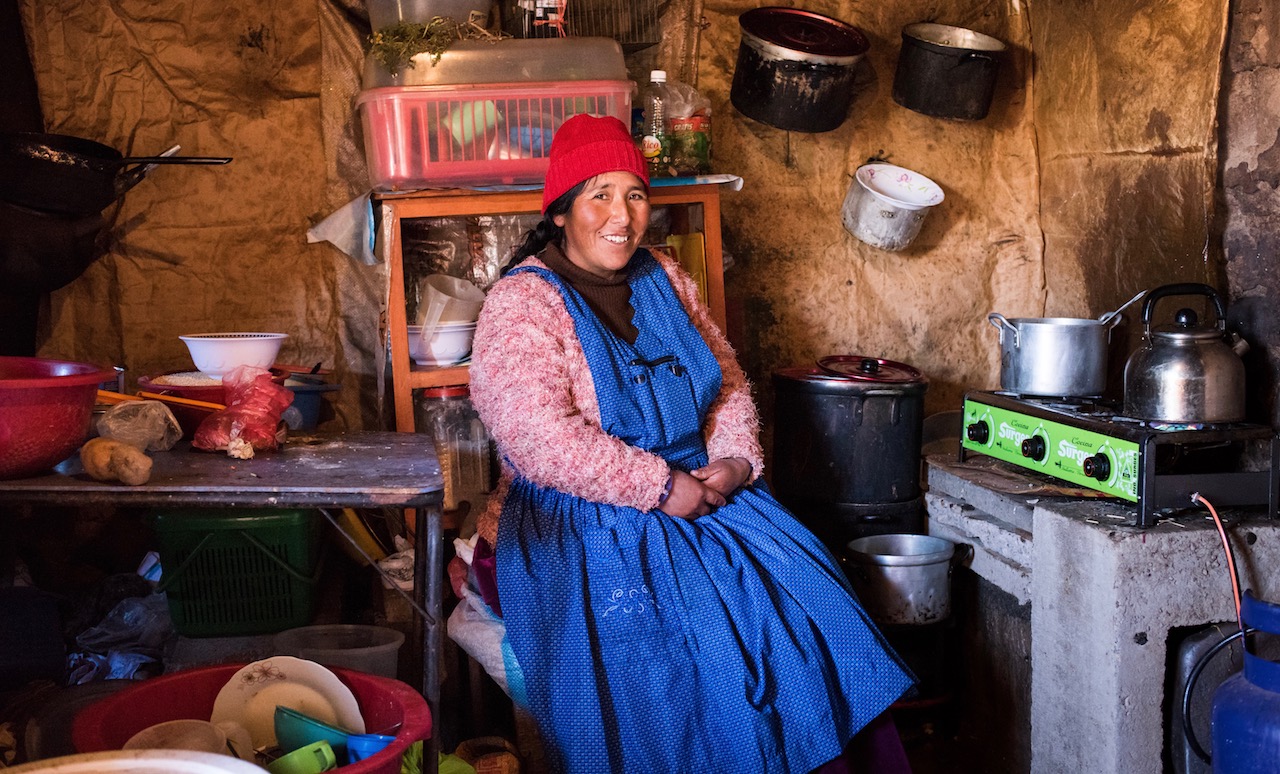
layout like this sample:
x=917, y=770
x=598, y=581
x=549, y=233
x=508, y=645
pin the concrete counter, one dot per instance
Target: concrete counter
x=1104, y=596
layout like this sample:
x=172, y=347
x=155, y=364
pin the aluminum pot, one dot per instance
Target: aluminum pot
x=1184, y=372
x=795, y=68
x=902, y=578
x=946, y=72
x=1054, y=356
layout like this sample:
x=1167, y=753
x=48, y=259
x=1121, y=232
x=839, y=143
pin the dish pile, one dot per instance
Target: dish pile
x=275, y=703
x=291, y=715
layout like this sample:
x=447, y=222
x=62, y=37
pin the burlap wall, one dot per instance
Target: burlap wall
x=1091, y=178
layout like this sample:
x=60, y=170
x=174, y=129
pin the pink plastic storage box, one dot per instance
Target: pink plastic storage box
x=473, y=135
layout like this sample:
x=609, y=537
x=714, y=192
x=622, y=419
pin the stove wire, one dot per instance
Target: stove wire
x=1231, y=558
x=1199, y=666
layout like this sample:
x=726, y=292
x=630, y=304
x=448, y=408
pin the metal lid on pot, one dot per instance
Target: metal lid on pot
x=811, y=34
x=870, y=369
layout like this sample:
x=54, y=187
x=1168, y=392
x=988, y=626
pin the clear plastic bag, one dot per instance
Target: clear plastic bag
x=146, y=424
x=138, y=625
x=689, y=129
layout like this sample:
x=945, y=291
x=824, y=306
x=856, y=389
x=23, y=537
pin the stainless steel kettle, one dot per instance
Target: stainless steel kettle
x=1184, y=372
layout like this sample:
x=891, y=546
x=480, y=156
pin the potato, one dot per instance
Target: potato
x=108, y=460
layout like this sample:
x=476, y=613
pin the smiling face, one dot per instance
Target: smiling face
x=606, y=223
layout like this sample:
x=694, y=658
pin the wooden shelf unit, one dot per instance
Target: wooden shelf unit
x=407, y=376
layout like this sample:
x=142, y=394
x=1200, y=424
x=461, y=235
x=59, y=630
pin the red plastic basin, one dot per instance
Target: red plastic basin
x=109, y=723
x=45, y=408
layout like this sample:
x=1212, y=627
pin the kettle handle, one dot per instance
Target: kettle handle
x=1182, y=289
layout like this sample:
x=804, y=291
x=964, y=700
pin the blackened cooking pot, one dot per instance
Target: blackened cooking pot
x=71, y=175
x=846, y=445
x=795, y=68
x=946, y=72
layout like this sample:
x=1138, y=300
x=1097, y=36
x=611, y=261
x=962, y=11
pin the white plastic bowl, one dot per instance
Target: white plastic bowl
x=450, y=344
x=217, y=353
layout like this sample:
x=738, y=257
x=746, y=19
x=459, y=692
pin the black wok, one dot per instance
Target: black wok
x=71, y=175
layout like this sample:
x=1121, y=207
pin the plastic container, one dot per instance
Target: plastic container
x=372, y=649
x=139, y=762
x=464, y=135
x=307, y=400
x=507, y=61
x=295, y=730
x=107, y=724
x=385, y=13
x=239, y=571
x=363, y=746
x=462, y=442
x=45, y=410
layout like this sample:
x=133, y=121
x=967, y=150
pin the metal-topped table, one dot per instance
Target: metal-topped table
x=349, y=470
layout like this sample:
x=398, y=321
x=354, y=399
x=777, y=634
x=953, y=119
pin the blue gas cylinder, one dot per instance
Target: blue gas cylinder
x=1246, y=707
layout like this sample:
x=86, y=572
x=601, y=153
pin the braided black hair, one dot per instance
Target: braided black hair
x=546, y=231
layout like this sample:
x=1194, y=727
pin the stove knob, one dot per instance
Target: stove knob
x=978, y=432
x=1034, y=448
x=1097, y=466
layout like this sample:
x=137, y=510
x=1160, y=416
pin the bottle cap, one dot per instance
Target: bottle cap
x=658, y=76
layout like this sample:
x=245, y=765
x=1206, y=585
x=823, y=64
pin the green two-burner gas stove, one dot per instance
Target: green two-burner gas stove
x=1158, y=466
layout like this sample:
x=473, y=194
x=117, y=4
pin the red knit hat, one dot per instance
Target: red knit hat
x=586, y=146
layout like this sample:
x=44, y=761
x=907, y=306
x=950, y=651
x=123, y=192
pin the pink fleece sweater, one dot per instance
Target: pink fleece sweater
x=532, y=387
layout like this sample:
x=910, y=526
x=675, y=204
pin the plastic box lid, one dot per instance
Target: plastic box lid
x=510, y=60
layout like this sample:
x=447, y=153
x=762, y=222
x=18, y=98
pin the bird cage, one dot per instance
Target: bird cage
x=633, y=23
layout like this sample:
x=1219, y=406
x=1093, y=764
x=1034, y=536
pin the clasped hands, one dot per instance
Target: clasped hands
x=701, y=491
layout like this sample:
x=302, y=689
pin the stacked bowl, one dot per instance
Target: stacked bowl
x=448, y=307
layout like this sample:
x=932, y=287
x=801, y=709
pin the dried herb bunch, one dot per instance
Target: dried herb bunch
x=395, y=47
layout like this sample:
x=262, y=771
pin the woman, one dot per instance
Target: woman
x=665, y=612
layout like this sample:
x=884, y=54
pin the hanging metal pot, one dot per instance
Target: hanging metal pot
x=71, y=175
x=1184, y=373
x=946, y=72
x=795, y=68
x=886, y=205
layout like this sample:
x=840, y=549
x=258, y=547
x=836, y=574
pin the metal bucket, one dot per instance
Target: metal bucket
x=902, y=579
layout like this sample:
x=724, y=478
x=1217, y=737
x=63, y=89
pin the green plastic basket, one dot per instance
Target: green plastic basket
x=239, y=571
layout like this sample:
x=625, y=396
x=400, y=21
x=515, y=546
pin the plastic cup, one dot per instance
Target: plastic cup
x=459, y=300
x=313, y=758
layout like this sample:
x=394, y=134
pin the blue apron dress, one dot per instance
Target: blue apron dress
x=651, y=644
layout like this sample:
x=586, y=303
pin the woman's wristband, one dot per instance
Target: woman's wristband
x=666, y=489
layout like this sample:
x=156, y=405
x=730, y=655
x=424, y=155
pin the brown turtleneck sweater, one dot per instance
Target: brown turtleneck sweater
x=609, y=298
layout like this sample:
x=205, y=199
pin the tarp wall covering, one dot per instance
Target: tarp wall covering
x=1091, y=178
